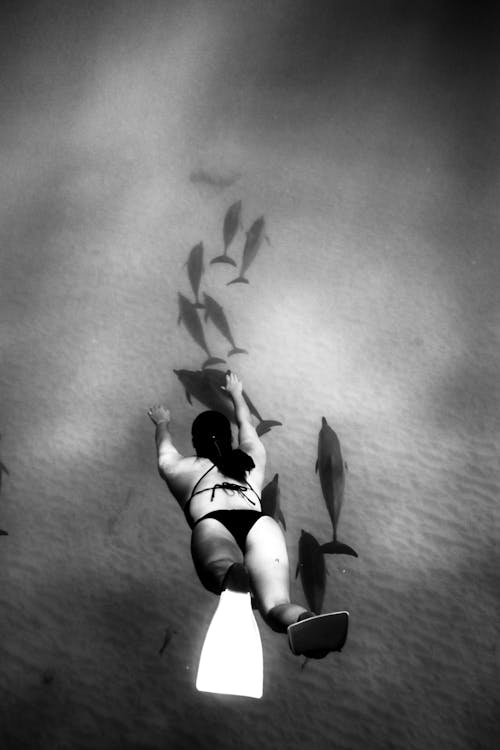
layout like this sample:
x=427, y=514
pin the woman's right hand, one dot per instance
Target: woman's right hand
x=233, y=385
x=159, y=413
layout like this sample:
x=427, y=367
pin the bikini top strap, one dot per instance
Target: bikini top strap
x=199, y=480
x=250, y=486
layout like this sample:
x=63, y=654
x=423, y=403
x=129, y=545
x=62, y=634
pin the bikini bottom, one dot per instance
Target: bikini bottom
x=237, y=522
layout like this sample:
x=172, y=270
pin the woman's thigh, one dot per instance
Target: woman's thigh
x=267, y=561
x=213, y=547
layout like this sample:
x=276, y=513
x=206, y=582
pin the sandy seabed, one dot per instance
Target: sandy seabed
x=375, y=305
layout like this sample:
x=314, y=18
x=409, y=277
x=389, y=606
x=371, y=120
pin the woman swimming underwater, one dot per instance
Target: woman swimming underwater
x=233, y=544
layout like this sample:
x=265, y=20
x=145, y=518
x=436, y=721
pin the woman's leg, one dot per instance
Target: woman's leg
x=214, y=550
x=267, y=561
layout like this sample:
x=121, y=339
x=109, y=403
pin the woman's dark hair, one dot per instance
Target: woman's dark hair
x=212, y=438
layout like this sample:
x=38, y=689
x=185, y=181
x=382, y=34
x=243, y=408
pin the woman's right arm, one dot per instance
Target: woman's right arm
x=168, y=455
x=248, y=439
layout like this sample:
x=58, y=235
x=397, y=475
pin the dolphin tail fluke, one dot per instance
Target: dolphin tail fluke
x=236, y=350
x=266, y=425
x=337, y=548
x=239, y=280
x=212, y=361
x=223, y=259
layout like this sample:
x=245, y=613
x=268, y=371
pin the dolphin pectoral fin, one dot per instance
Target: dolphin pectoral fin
x=337, y=548
x=223, y=259
x=212, y=361
x=266, y=425
x=236, y=350
x=281, y=518
x=188, y=396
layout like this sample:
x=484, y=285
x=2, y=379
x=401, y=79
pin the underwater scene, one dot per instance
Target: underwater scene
x=305, y=194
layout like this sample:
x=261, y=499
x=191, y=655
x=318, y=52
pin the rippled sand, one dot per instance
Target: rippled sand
x=376, y=306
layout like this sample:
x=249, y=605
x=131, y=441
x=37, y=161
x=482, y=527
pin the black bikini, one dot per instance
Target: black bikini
x=237, y=521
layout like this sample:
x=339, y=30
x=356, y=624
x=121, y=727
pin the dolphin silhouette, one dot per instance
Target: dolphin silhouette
x=255, y=236
x=206, y=387
x=215, y=312
x=331, y=467
x=311, y=566
x=270, y=501
x=195, y=270
x=189, y=316
x=214, y=179
x=232, y=222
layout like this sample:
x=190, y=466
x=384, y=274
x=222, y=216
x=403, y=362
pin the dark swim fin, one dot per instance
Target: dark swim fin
x=231, y=660
x=337, y=548
x=318, y=635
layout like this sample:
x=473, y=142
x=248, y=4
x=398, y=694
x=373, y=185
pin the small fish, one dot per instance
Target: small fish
x=169, y=634
x=214, y=179
x=190, y=318
x=114, y=520
x=255, y=236
x=232, y=222
x=47, y=677
x=3, y=533
x=215, y=312
x=3, y=470
x=331, y=467
x=195, y=270
x=311, y=566
x=270, y=501
x=206, y=387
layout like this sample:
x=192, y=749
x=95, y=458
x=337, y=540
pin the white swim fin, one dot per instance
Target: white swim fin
x=231, y=660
